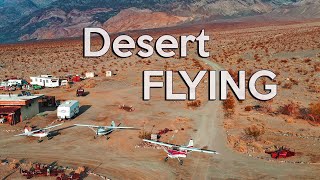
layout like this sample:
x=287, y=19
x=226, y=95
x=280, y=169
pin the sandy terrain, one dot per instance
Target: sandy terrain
x=118, y=157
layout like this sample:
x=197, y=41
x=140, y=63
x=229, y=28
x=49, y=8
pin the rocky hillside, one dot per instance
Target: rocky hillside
x=51, y=19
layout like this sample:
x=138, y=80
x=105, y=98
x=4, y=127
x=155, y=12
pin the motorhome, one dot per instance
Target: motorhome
x=68, y=109
x=45, y=81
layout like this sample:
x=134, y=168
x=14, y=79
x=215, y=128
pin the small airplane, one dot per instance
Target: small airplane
x=42, y=132
x=103, y=130
x=176, y=151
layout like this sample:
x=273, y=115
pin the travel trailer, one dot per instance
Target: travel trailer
x=45, y=81
x=68, y=109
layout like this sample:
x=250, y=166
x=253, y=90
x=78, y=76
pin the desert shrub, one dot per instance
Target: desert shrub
x=315, y=108
x=290, y=109
x=254, y=131
x=295, y=82
x=248, y=108
x=144, y=135
x=287, y=85
x=229, y=103
x=193, y=104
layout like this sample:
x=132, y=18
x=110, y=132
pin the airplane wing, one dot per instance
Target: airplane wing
x=50, y=127
x=29, y=133
x=23, y=134
x=112, y=127
x=198, y=150
x=107, y=127
x=159, y=143
x=86, y=125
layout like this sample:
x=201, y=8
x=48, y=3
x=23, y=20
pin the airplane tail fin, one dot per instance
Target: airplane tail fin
x=113, y=124
x=190, y=143
x=27, y=129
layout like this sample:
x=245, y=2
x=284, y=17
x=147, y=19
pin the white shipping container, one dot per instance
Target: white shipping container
x=68, y=109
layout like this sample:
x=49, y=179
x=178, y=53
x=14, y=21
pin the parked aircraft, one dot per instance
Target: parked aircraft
x=177, y=151
x=103, y=130
x=42, y=132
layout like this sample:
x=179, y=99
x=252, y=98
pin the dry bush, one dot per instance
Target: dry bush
x=194, y=104
x=314, y=111
x=287, y=85
x=144, y=135
x=314, y=88
x=248, y=108
x=229, y=103
x=295, y=82
x=290, y=109
x=315, y=108
x=254, y=131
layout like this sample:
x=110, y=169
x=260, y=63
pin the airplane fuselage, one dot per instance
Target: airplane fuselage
x=101, y=131
x=177, y=154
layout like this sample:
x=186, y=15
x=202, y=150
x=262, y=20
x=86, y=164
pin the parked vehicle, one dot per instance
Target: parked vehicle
x=36, y=87
x=9, y=88
x=68, y=109
x=64, y=82
x=17, y=82
x=80, y=92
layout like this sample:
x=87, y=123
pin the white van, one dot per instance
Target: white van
x=68, y=109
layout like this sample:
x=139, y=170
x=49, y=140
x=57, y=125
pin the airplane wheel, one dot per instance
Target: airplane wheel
x=181, y=162
x=39, y=141
x=166, y=159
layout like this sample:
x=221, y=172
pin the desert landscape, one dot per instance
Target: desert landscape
x=241, y=131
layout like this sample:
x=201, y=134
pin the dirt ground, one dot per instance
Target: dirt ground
x=280, y=48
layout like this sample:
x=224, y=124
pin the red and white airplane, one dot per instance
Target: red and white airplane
x=43, y=132
x=176, y=151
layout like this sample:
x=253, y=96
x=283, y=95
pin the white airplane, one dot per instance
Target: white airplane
x=42, y=132
x=103, y=130
x=176, y=151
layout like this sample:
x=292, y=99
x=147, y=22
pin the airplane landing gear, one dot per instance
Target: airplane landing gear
x=40, y=140
x=166, y=159
x=180, y=161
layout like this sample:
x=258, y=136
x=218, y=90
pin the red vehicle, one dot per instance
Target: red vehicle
x=282, y=152
x=80, y=92
x=76, y=78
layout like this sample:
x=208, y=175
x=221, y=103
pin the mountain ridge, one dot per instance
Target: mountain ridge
x=51, y=19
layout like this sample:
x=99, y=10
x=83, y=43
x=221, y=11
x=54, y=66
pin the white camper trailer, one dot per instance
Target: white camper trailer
x=45, y=81
x=68, y=109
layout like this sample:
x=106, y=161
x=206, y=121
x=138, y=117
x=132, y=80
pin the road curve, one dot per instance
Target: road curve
x=230, y=164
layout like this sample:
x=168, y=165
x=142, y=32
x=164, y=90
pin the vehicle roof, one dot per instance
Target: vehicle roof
x=68, y=103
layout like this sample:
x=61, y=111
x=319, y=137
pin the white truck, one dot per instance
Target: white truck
x=68, y=109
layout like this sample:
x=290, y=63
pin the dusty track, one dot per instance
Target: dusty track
x=230, y=164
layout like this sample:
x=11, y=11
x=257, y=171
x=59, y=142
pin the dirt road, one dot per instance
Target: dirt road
x=230, y=164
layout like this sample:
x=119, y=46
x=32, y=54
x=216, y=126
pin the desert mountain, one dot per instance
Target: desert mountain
x=37, y=19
